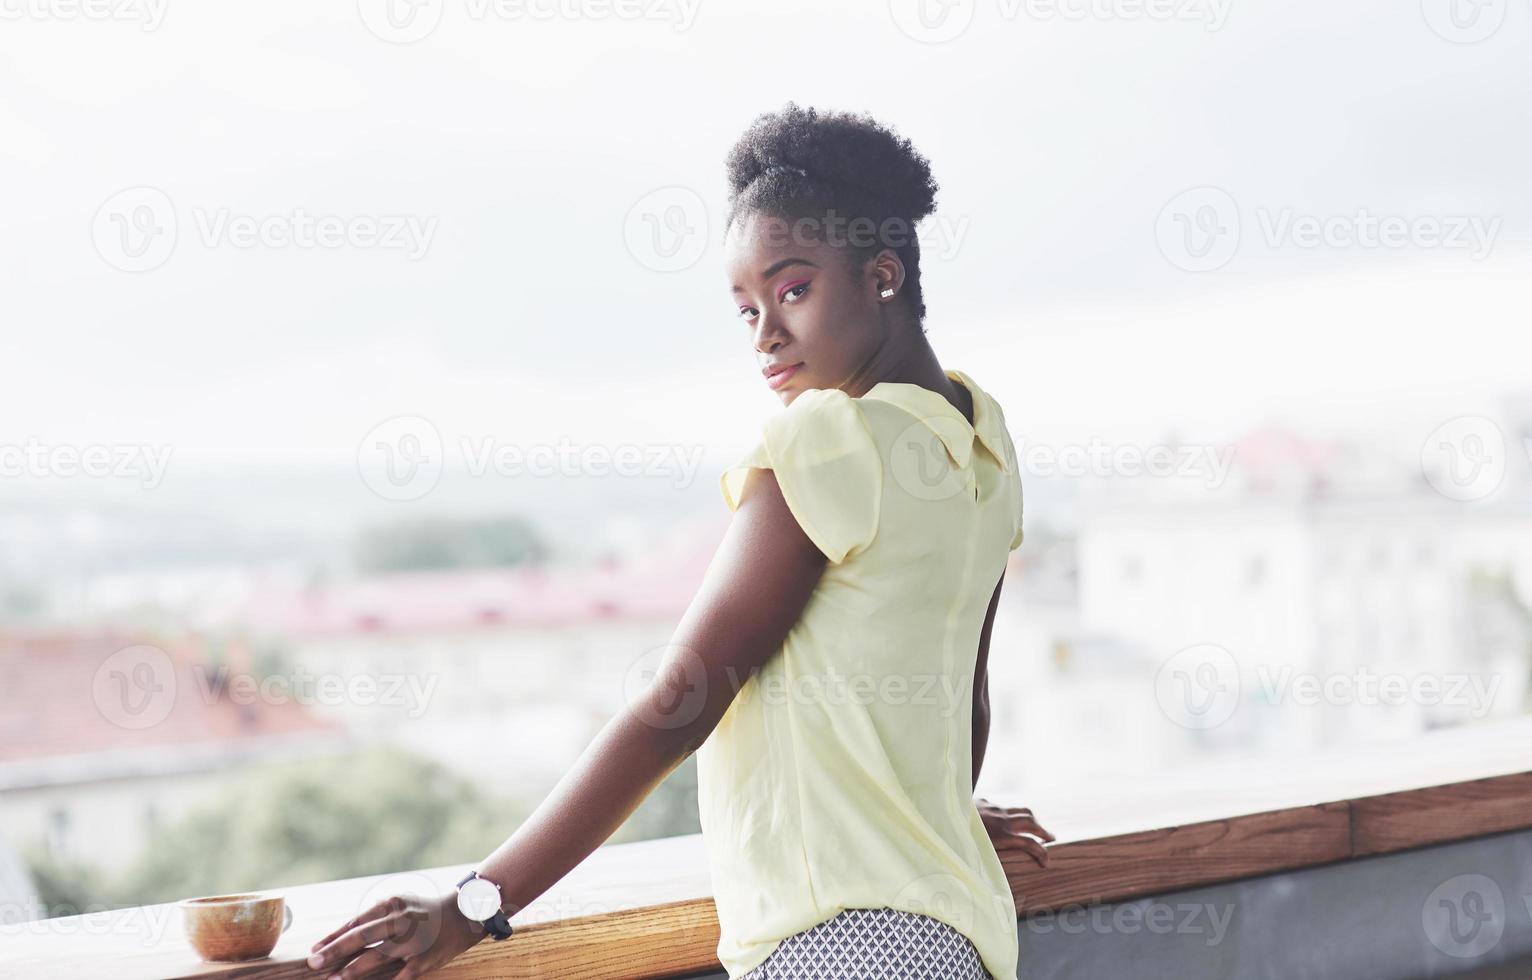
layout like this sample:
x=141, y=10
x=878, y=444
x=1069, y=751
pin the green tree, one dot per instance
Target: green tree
x=435, y=543
x=377, y=812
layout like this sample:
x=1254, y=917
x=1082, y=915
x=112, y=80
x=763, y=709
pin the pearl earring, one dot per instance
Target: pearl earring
x=886, y=293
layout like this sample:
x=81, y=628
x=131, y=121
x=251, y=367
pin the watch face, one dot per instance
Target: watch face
x=478, y=899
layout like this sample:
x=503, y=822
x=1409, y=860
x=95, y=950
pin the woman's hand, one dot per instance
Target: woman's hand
x=422, y=933
x=1011, y=825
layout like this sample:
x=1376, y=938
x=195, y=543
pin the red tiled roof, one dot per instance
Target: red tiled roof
x=66, y=693
x=657, y=585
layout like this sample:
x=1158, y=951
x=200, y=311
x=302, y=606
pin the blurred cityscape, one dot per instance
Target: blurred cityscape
x=1282, y=593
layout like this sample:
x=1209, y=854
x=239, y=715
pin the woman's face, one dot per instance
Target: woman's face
x=806, y=309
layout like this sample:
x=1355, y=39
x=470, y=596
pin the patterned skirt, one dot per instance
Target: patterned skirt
x=874, y=944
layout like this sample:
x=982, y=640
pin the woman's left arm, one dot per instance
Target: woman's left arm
x=756, y=586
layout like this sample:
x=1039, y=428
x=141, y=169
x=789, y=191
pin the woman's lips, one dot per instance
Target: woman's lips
x=781, y=377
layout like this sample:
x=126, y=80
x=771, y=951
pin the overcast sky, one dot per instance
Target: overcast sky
x=533, y=209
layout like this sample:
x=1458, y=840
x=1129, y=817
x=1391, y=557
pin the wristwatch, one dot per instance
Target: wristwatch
x=478, y=899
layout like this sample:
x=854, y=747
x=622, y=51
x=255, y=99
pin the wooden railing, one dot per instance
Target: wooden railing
x=645, y=909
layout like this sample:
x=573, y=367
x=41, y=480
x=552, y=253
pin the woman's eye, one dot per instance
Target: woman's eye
x=798, y=290
x=745, y=313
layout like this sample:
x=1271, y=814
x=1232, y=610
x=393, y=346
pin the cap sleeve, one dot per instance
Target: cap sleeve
x=828, y=466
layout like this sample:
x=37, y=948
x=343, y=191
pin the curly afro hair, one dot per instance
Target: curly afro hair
x=802, y=163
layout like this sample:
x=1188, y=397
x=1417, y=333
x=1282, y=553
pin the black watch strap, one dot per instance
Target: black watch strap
x=498, y=926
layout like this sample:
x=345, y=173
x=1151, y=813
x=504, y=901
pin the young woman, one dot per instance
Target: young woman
x=830, y=673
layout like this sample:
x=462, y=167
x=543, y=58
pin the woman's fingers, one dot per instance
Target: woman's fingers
x=1017, y=824
x=1022, y=819
x=365, y=964
x=391, y=926
x=377, y=911
x=1032, y=847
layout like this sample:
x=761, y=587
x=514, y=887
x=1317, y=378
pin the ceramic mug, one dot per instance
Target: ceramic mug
x=226, y=928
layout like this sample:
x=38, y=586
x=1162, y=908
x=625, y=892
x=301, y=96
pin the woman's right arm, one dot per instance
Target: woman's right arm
x=981, y=685
x=1004, y=824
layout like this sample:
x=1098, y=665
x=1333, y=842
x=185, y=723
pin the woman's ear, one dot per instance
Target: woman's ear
x=887, y=273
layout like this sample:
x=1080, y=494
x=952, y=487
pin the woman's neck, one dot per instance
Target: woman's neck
x=915, y=366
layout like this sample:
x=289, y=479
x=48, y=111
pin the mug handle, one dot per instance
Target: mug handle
x=287, y=916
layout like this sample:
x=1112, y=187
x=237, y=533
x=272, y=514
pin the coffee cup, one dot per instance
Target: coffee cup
x=226, y=928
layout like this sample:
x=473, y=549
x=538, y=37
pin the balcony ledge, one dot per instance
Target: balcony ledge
x=645, y=909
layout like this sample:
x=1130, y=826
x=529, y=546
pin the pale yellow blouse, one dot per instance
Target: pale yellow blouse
x=841, y=776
